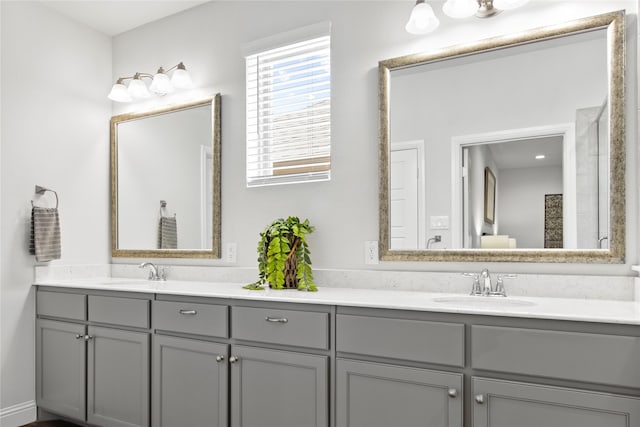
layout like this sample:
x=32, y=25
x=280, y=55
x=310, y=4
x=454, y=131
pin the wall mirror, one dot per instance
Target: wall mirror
x=165, y=182
x=507, y=149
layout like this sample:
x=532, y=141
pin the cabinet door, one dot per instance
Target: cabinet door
x=378, y=395
x=513, y=404
x=272, y=388
x=190, y=380
x=60, y=368
x=118, y=378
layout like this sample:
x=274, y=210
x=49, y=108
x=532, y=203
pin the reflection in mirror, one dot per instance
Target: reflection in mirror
x=166, y=182
x=512, y=149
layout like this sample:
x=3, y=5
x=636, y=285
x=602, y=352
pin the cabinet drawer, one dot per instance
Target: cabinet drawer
x=415, y=340
x=59, y=304
x=288, y=327
x=119, y=311
x=189, y=318
x=595, y=358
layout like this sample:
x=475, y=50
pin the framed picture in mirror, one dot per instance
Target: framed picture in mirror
x=489, y=196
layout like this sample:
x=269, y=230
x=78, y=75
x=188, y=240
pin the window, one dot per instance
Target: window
x=289, y=111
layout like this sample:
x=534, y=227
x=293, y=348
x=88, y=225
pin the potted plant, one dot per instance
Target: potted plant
x=284, y=258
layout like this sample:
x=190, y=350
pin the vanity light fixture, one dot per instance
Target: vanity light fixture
x=161, y=84
x=423, y=20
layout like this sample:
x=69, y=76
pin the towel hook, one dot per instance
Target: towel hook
x=42, y=190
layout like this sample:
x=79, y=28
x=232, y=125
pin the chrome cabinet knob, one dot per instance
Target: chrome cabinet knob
x=79, y=336
x=479, y=399
x=233, y=359
x=219, y=358
x=88, y=337
x=452, y=392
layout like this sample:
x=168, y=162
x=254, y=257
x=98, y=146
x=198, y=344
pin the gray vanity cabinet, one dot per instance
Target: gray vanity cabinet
x=190, y=387
x=92, y=357
x=500, y=403
x=280, y=365
x=274, y=388
x=391, y=393
x=60, y=367
x=381, y=395
x=117, y=377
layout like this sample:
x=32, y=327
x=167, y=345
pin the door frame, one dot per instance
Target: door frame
x=566, y=130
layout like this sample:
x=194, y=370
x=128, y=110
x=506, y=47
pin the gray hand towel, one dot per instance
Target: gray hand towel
x=167, y=233
x=45, y=234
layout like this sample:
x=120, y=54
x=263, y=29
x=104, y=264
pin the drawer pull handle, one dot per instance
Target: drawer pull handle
x=79, y=336
x=479, y=399
x=276, y=319
x=233, y=359
x=452, y=392
x=188, y=312
x=219, y=358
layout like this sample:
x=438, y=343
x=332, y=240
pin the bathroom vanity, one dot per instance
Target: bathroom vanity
x=140, y=353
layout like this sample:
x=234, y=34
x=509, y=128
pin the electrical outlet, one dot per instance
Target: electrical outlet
x=230, y=253
x=371, y=252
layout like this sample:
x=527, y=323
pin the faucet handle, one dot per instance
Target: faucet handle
x=500, y=284
x=162, y=272
x=475, y=288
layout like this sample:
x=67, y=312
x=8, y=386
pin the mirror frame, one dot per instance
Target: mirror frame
x=614, y=24
x=215, y=251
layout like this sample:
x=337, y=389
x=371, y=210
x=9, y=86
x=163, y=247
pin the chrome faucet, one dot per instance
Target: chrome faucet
x=153, y=271
x=482, y=283
x=485, y=282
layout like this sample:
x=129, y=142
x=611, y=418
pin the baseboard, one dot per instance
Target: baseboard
x=18, y=415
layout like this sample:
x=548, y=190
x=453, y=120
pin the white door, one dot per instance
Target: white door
x=403, y=188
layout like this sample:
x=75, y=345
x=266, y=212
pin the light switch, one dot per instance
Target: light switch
x=439, y=223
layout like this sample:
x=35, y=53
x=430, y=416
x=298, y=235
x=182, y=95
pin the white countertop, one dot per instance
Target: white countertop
x=584, y=310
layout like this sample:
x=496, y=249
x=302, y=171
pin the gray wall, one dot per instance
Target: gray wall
x=344, y=210
x=521, y=202
x=55, y=133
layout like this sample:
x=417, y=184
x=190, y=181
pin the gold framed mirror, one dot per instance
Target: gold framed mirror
x=447, y=115
x=165, y=182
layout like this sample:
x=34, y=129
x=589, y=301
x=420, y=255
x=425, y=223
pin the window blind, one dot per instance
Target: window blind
x=289, y=113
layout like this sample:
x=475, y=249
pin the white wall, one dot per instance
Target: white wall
x=521, y=202
x=210, y=38
x=55, y=133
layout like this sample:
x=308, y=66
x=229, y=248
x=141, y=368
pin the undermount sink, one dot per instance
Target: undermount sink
x=482, y=301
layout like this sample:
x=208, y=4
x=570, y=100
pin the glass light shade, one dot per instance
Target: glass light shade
x=138, y=89
x=119, y=93
x=422, y=20
x=508, y=4
x=161, y=84
x=460, y=8
x=181, y=79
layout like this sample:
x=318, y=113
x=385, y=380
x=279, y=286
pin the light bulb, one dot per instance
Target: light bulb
x=137, y=88
x=422, y=19
x=460, y=8
x=181, y=78
x=508, y=4
x=161, y=83
x=119, y=92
